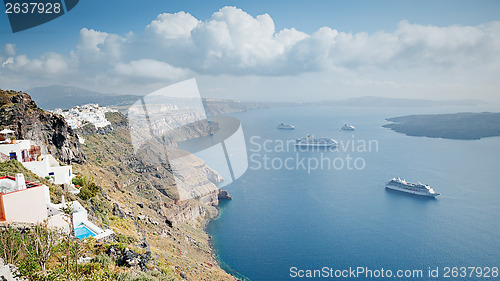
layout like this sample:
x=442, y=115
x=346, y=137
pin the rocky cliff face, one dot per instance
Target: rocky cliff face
x=112, y=145
x=20, y=113
x=141, y=188
x=217, y=106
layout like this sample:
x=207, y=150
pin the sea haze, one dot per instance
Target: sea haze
x=283, y=218
x=65, y=97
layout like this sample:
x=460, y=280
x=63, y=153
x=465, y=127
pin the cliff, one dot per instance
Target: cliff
x=20, y=113
x=140, y=199
x=220, y=106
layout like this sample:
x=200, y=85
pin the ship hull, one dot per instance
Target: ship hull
x=397, y=188
x=315, y=144
x=310, y=141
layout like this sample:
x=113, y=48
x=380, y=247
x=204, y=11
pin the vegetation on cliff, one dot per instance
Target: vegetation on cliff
x=44, y=254
x=13, y=167
x=139, y=202
x=157, y=236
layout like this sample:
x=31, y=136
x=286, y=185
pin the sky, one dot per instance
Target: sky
x=264, y=50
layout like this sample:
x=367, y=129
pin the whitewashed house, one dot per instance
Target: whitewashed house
x=28, y=202
x=82, y=226
x=17, y=149
x=22, y=201
x=88, y=113
x=42, y=165
x=47, y=165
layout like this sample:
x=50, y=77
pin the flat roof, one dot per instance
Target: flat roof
x=6, y=142
x=8, y=184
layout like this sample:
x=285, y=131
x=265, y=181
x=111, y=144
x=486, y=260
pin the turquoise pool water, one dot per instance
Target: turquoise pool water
x=82, y=232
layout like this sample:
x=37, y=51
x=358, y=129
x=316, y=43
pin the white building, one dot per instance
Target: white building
x=17, y=149
x=22, y=201
x=47, y=165
x=82, y=226
x=31, y=158
x=89, y=113
x=28, y=202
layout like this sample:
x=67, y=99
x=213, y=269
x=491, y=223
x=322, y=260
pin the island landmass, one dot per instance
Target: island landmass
x=463, y=126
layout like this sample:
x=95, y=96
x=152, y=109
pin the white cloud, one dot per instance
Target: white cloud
x=7, y=61
x=50, y=64
x=234, y=43
x=151, y=69
x=9, y=50
x=173, y=26
x=98, y=46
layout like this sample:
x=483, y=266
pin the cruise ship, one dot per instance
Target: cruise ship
x=417, y=189
x=348, y=128
x=310, y=141
x=285, y=126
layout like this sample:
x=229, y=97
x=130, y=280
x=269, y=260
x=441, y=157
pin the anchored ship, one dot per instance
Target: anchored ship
x=285, y=126
x=310, y=141
x=413, y=188
x=348, y=128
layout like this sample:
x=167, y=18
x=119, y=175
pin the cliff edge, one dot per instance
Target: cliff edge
x=20, y=113
x=140, y=199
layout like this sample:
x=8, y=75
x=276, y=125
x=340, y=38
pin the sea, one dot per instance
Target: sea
x=325, y=214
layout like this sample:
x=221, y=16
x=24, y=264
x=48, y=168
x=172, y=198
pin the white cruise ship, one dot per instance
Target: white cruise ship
x=348, y=128
x=417, y=189
x=285, y=126
x=310, y=141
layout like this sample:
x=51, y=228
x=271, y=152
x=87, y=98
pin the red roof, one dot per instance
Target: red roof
x=28, y=183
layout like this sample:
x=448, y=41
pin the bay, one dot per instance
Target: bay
x=341, y=217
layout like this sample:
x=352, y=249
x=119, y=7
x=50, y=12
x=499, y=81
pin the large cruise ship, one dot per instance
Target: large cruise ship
x=413, y=188
x=310, y=141
x=285, y=126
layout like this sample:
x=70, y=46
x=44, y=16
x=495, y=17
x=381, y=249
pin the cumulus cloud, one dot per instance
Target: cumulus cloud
x=173, y=26
x=48, y=65
x=96, y=46
x=233, y=42
x=9, y=50
x=152, y=69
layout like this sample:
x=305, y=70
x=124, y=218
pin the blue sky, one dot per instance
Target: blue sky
x=349, y=16
x=372, y=27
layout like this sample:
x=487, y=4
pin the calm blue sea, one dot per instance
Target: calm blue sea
x=340, y=218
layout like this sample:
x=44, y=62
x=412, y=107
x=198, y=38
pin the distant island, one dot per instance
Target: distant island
x=464, y=126
x=372, y=101
x=66, y=97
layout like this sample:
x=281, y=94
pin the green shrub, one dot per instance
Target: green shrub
x=78, y=180
x=103, y=260
x=126, y=276
x=88, y=191
x=10, y=245
x=125, y=239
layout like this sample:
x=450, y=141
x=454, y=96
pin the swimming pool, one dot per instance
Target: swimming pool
x=82, y=232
